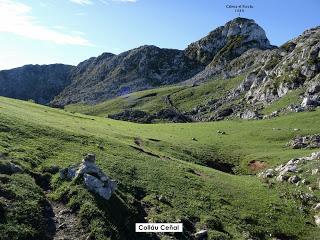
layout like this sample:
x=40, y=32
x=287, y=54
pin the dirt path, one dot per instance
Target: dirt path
x=65, y=223
x=169, y=102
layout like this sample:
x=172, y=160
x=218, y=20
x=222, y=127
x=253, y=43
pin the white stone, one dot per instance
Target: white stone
x=315, y=156
x=317, y=207
x=201, y=234
x=92, y=182
x=279, y=168
x=317, y=220
x=305, y=102
x=282, y=178
x=104, y=189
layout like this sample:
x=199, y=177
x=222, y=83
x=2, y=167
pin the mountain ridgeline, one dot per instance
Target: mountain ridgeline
x=146, y=67
x=240, y=48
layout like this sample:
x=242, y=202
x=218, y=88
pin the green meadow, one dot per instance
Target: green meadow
x=183, y=98
x=203, y=176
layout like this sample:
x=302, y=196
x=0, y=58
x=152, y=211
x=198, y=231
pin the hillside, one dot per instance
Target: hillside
x=257, y=84
x=186, y=79
x=110, y=75
x=222, y=136
x=146, y=67
x=156, y=104
x=40, y=83
x=205, y=171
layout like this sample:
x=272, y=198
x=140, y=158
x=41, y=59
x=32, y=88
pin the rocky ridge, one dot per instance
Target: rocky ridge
x=109, y=75
x=240, y=47
x=269, y=76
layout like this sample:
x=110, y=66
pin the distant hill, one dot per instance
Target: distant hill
x=256, y=84
x=40, y=83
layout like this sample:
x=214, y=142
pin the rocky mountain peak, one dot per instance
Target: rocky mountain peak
x=247, y=28
x=237, y=31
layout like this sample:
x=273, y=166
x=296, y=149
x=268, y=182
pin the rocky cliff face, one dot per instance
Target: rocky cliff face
x=269, y=75
x=225, y=44
x=296, y=64
x=111, y=75
x=39, y=83
x=237, y=35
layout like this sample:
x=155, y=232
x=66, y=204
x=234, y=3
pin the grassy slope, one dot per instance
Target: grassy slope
x=293, y=97
x=139, y=100
x=184, y=98
x=36, y=136
x=188, y=98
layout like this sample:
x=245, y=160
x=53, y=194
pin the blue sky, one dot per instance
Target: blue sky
x=70, y=31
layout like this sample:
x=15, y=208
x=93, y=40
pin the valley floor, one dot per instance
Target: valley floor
x=188, y=173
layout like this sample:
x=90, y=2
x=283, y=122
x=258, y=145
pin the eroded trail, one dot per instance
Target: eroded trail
x=65, y=223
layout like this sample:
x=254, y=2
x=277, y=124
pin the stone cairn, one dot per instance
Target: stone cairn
x=93, y=177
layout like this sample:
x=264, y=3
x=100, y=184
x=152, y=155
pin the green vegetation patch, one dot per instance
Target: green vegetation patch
x=292, y=97
x=183, y=98
x=22, y=208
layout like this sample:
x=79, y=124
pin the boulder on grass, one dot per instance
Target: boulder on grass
x=94, y=179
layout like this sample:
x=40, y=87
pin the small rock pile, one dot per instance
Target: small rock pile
x=291, y=173
x=291, y=167
x=93, y=177
x=310, y=141
x=250, y=114
x=273, y=114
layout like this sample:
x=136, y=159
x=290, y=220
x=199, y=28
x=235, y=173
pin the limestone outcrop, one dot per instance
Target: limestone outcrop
x=93, y=178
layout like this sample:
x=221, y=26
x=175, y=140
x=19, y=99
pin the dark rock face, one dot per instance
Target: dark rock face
x=133, y=116
x=139, y=116
x=37, y=82
x=222, y=113
x=7, y=167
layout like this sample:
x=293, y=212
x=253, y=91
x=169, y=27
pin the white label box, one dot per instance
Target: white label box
x=159, y=227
